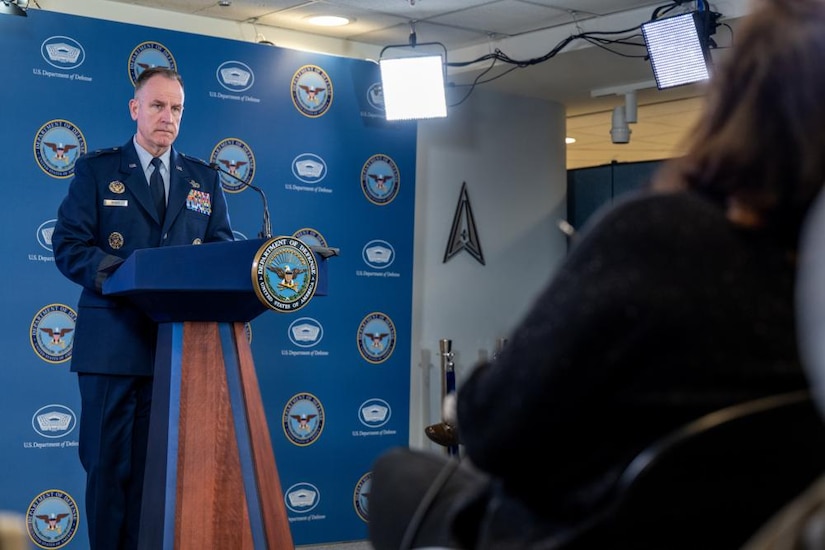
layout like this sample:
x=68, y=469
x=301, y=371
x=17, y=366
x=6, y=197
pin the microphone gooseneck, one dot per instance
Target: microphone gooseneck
x=266, y=230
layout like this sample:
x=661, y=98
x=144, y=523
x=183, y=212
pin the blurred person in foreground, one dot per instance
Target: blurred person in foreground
x=801, y=524
x=108, y=213
x=672, y=303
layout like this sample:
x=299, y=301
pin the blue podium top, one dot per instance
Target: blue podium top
x=205, y=282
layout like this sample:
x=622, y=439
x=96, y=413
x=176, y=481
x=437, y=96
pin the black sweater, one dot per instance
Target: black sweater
x=661, y=312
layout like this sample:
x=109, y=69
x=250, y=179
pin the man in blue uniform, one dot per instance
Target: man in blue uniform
x=108, y=213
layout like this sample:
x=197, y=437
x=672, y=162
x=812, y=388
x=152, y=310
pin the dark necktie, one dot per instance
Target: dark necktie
x=158, y=193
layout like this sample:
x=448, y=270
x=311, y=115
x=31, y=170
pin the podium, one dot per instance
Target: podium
x=211, y=478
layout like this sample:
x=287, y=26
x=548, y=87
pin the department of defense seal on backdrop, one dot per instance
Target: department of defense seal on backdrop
x=303, y=419
x=311, y=91
x=380, y=179
x=310, y=236
x=147, y=55
x=234, y=157
x=52, y=333
x=52, y=519
x=376, y=337
x=57, y=146
x=360, y=497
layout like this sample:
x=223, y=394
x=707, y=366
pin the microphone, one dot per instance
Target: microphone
x=266, y=230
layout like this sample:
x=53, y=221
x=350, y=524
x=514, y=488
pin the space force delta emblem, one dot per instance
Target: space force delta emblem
x=284, y=274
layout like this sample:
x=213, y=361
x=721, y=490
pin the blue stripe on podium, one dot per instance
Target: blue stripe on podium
x=172, y=439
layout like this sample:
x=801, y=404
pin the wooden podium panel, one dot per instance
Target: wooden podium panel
x=211, y=478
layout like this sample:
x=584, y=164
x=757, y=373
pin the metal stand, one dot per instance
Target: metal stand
x=444, y=433
x=500, y=343
x=447, y=380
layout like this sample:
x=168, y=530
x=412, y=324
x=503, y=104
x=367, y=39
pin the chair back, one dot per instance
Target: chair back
x=713, y=482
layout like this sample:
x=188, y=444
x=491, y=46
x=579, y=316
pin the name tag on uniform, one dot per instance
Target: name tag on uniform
x=115, y=202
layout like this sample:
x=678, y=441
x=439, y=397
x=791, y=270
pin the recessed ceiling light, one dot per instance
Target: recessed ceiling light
x=327, y=20
x=569, y=140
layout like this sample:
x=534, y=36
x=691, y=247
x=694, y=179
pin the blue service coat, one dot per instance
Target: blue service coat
x=107, y=214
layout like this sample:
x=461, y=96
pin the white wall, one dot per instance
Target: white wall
x=511, y=153
x=509, y=150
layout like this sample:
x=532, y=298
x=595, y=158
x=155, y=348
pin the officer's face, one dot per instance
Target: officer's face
x=157, y=108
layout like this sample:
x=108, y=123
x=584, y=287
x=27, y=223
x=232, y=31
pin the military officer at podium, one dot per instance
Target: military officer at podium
x=109, y=212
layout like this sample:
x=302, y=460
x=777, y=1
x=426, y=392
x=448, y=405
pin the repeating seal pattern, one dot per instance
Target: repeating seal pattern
x=302, y=498
x=375, y=96
x=63, y=52
x=54, y=421
x=309, y=168
x=44, y=233
x=57, y=146
x=303, y=419
x=305, y=332
x=52, y=519
x=380, y=179
x=376, y=337
x=374, y=413
x=284, y=274
x=52, y=333
x=360, y=497
x=147, y=55
x=247, y=330
x=378, y=254
x=235, y=76
x=310, y=236
x=311, y=91
x=237, y=164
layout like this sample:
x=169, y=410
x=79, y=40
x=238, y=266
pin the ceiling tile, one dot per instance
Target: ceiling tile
x=504, y=18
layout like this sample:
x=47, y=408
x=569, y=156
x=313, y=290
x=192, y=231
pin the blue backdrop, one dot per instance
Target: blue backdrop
x=306, y=128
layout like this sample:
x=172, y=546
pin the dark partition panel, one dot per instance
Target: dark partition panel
x=590, y=188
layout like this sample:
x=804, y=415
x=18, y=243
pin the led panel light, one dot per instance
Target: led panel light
x=678, y=52
x=413, y=87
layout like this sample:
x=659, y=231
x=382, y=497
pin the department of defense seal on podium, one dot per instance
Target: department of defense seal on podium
x=284, y=274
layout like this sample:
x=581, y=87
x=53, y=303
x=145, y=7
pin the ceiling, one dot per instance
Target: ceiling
x=589, y=80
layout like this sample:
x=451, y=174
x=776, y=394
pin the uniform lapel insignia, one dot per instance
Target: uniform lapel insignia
x=115, y=240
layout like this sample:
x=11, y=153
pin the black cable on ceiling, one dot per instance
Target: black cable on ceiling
x=599, y=39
